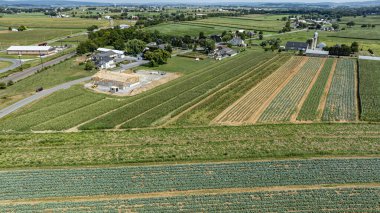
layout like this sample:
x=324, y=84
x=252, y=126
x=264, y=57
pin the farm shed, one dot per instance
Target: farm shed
x=30, y=50
x=290, y=45
x=115, y=79
x=317, y=53
x=373, y=58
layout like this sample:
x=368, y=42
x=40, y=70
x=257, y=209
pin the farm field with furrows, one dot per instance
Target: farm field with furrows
x=206, y=110
x=94, y=186
x=369, y=90
x=332, y=199
x=178, y=97
x=249, y=105
x=285, y=104
x=168, y=99
x=313, y=106
x=341, y=104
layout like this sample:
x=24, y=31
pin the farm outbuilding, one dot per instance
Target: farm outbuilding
x=296, y=46
x=30, y=50
x=115, y=79
x=317, y=53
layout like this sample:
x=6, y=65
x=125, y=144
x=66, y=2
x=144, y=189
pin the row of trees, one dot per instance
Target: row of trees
x=343, y=50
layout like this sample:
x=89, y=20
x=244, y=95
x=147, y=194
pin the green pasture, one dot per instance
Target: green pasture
x=33, y=36
x=4, y=64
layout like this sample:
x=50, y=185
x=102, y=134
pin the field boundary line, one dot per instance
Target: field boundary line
x=322, y=103
x=167, y=194
x=357, y=98
x=255, y=116
x=214, y=93
x=293, y=118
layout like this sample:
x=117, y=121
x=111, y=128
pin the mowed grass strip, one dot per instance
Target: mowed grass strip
x=369, y=90
x=341, y=101
x=50, y=183
x=285, y=103
x=216, y=74
x=309, y=110
x=205, y=112
x=188, y=144
x=358, y=199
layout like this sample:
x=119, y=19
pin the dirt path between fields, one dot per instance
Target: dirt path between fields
x=168, y=194
x=255, y=117
x=356, y=91
x=212, y=95
x=322, y=103
x=293, y=118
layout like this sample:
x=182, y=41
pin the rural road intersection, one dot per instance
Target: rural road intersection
x=15, y=63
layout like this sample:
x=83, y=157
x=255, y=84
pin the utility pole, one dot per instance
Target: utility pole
x=19, y=58
x=42, y=64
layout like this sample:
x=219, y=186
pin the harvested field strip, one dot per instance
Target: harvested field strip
x=341, y=101
x=50, y=183
x=309, y=110
x=211, y=107
x=369, y=89
x=217, y=143
x=285, y=103
x=178, y=94
x=188, y=98
x=24, y=122
x=250, y=103
x=80, y=115
x=229, y=25
x=337, y=199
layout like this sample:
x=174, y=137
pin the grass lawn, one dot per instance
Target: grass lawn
x=4, y=64
x=61, y=73
x=33, y=36
x=182, y=65
x=188, y=144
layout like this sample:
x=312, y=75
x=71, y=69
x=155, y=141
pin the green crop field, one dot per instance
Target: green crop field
x=285, y=103
x=315, y=200
x=4, y=64
x=369, y=90
x=147, y=179
x=309, y=110
x=208, y=109
x=341, y=102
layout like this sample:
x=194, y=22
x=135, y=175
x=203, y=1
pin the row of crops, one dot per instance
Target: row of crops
x=314, y=200
x=309, y=110
x=369, y=89
x=145, y=179
x=174, y=99
x=341, y=100
x=285, y=104
x=250, y=103
x=203, y=113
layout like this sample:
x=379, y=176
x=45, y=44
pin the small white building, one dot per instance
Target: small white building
x=124, y=26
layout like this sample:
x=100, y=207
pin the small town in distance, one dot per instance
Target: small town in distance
x=270, y=106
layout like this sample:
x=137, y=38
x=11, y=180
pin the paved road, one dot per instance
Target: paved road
x=30, y=71
x=15, y=63
x=124, y=67
x=39, y=95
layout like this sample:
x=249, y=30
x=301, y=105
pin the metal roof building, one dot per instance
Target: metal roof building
x=30, y=50
x=316, y=53
x=290, y=45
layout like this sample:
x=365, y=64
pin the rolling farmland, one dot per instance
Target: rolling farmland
x=310, y=109
x=146, y=188
x=341, y=101
x=369, y=90
x=285, y=103
x=250, y=104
